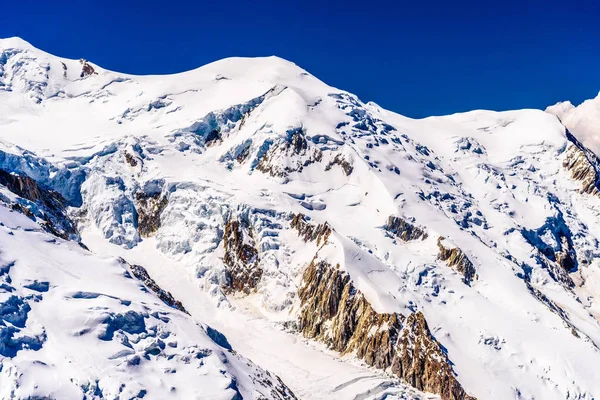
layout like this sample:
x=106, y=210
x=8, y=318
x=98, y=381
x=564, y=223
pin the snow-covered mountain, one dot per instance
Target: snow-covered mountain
x=74, y=325
x=248, y=207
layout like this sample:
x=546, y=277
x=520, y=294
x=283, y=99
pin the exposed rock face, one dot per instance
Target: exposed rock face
x=141, y=274
x=404, y=230
x=341, y=161
x=298, y=142
x=294, y=148
x=149, y=207
x=86, y=68
x=421, y=361
x=294, y=154
x=308, y=231
x=241, y=257
x=131, y=160
x=583, y=165
x=457, y=259
x=335, y=312
x=25, y=187
x=50, y=206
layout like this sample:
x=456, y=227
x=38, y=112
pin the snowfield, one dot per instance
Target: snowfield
x=240, y=184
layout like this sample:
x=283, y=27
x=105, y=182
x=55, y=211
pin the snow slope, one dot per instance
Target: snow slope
x=75, y=325
x=197, y=177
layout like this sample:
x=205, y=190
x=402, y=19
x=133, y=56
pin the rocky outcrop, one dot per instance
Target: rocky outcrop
x=291, y=155
x=310, y=232
x=336, y=313
x=142, y=275
x=27, y=188
x=421, y=361
x=456, y=259
x=241, y=257
x=297, y=142
x=149, y=207
x=583, y=165
x=341, y=161
x=404, y=230
x=131, y=159
x=86, y=68
x=48, y=206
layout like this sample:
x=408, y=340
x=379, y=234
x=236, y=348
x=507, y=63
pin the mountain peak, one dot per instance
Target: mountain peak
x=15, y=42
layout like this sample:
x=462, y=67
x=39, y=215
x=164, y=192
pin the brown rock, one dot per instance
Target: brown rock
x=341, y=161
x=86, y=68
x=24, y=186
x=149, y=207
x=404, y=230
x=308, y=231
x=296, y=152
x=583, y=165
x=131, y=160
x=52, y=203
x=458, y=260
x=421, y=361
x=241, y=257
x=336, y=313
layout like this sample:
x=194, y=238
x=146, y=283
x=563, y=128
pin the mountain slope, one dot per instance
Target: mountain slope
x=456, y=254
x=73, y=325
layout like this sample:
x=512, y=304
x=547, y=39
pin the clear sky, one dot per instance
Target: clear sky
x=417, y=58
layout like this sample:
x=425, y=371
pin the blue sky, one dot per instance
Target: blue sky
x=417, y=58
